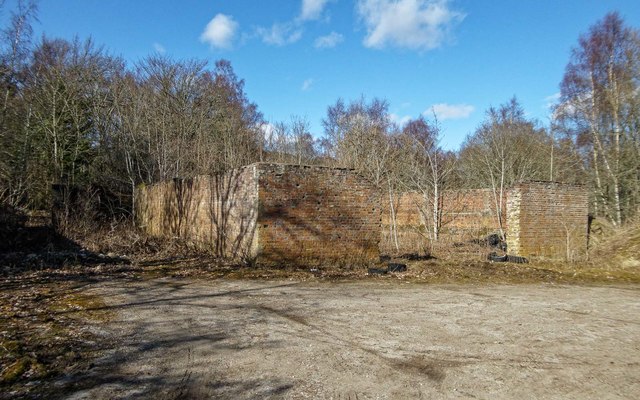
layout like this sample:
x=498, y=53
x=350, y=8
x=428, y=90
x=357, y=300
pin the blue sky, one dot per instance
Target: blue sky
x=297, y=57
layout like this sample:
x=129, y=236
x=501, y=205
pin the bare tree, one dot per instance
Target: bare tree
x=362, y=136
x=15, y=139
x=291, y=142
x=358, y=137
x=67, y=83
x=17, y=39
x=599, y=109
x=506, y=148
x=180, y=119
x=428, y=170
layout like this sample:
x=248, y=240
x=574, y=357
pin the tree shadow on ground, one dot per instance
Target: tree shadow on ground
x=133, y=362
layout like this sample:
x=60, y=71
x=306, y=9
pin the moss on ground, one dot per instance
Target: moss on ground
x=44, y=333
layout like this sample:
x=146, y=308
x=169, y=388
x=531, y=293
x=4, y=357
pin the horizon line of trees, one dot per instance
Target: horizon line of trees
x=73, y=114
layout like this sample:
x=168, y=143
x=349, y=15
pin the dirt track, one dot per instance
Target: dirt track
x=249, y=339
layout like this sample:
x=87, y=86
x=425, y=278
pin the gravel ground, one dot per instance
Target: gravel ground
x=176, y=338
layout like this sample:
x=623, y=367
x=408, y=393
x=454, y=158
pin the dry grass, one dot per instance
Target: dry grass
x=433, y=271
x=615, y=257
x=453, y=263
x=617, y=249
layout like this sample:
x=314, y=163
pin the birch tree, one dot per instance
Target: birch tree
x=506, y=148
x=599, y=110
x=428, y=170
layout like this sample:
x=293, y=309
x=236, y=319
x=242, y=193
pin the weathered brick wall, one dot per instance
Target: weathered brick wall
x=410, y=232
x=316, y=215
x=466, y=215
x=217, y=212
x=547, y=219
x=286, y=214
x=271, y=214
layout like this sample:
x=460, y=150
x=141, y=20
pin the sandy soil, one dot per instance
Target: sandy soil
x=249, y=339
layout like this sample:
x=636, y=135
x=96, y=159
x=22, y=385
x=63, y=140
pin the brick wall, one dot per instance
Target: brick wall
x=316, y=215
x=547, y=219
x=286, y=214
x=466, y=215
x=271, y=214
x=218, y=213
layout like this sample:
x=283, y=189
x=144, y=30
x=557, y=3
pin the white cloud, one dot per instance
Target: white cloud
x=312, y=9
x=401, y=121
x=328, y=41
x=159, y=48
x=280, y=34
x=220, y=31
x=446, y=111
x=306, y=85
x=412, y=24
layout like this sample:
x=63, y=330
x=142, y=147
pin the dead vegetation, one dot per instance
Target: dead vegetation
x=616, y=248
x=463, y=264
x=418, y=271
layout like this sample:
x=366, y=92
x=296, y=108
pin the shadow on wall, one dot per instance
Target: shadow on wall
x=271, y=214
x=217, y=213
x=315, y=233
x=315, y=216
x=232, y=212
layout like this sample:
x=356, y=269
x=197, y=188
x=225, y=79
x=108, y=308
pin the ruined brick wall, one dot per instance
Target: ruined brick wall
x=271, y=214
x=315, y=215
x=471, y=213
x=547, y=219
x=410, y=233
x=466, y=215
x=219, y=213
x=286, y=214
